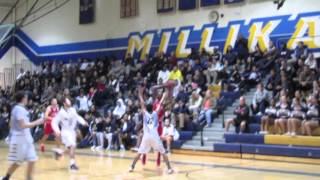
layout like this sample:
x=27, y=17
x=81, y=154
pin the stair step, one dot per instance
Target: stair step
x=210, y=139
x=203, y=148
x=198, y=143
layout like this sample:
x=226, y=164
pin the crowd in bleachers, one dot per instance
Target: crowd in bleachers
x=104, y=91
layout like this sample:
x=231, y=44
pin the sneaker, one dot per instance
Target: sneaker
x=42, y=148
x=288, y=134
x=93, y=148
x=4, y=178
x=99, y=148
x=74, y=167
x=134, y=149
x=262, y=132
x=170, y=171
x=122, y=147
x=108, y=148
x=293, y=134
x=57, y=153
x=131, y=169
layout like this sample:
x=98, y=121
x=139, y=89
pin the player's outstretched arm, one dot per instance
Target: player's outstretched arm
x=55, y=123
x=142, y=104
x=35, y=123
x=163, y=98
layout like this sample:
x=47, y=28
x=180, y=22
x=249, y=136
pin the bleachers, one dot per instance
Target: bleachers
x=276, y=145
x=184, y=136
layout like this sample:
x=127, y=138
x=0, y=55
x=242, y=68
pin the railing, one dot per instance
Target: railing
x=8, y=76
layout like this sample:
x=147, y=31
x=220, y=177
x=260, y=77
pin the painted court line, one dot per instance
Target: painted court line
x=211, y=165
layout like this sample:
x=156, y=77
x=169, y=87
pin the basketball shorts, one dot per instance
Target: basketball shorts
x=20, y=150
x=68, y=138
x=149, y=142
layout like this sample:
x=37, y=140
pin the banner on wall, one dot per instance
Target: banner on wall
x=187, y=4
x=87, y=11
x=232, y=1
x=286, y=29
x=209, y=2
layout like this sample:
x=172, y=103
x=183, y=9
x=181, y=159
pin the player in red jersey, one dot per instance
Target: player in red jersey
x=50, y=113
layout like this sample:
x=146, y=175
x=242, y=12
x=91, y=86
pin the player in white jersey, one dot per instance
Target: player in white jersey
x=67, y=118
x=151, y=138
x=21, y=147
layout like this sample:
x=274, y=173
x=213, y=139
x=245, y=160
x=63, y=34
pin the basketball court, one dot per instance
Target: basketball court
x=114, y=165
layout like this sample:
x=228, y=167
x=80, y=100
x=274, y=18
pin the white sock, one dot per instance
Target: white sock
x=72, y=162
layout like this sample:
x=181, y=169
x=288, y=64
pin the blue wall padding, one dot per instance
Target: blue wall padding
x=223, y=147
x=244, y=138
x=277, y=150
x=177, y=144
x=185, y=135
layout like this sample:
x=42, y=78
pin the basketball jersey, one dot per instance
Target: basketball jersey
x=68, y=119
x=150, y=123
x=18, y=113
x=52, y=113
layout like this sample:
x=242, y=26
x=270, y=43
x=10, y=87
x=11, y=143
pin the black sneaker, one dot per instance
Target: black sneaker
x=74, y=167
x=57, y=156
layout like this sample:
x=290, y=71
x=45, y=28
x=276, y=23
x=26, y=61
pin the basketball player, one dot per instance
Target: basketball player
x=157, y=104
x=21, y=147
x=50, y=113
x=151, y=138
x=68, y=118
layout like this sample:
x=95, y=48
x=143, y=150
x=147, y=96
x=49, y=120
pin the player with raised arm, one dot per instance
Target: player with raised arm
x=67, y=118
x=151, y=138
x=21, y=144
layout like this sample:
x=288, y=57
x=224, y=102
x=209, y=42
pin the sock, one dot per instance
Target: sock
x=72, y=162
x=159, y=159
x=144, y=157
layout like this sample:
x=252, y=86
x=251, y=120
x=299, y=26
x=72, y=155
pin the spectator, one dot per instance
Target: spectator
x=4, y=121
x=82, y=102
x=181, y=113
x=311, y=62
x=125, y=131
x=283, y=113
x=169, y=134
x=207, y=108
x=120, y=109
x=195, y=102
x=163, y=75
x=306, y=79
x=296, y=117
x=110, y=128
x=268, y=117
x=100, y=128
x=230, y=56
x=259, y=100
x=242, y=116
x=214, y=67
x=241, y=47
x=272, y=82
x=312, y=117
